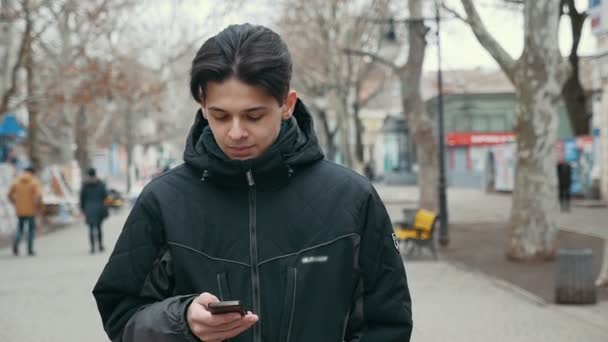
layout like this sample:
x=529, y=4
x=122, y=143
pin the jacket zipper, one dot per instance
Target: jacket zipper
x=253, y=248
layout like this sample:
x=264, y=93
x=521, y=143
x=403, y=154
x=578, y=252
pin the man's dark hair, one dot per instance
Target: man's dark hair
x=30, y=169
x=253, y=54
x=91, y=172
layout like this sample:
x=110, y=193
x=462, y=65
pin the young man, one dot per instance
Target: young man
x=26, y=196
x=255, y=214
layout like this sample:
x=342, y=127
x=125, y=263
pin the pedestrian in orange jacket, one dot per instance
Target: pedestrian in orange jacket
x=26, y=196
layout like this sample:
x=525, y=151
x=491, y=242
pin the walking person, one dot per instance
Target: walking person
x=92, y=196
x=255, y=215
x=26, y=196
x=564, y=178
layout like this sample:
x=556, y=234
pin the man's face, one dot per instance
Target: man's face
x=245, y=120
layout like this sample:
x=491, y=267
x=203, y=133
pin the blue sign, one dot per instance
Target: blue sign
x=11, y=127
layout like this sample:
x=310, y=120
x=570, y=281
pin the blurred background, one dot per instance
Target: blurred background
x=459, y=112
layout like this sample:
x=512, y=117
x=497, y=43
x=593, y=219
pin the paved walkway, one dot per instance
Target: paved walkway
x=471, y=205
x=47, y=298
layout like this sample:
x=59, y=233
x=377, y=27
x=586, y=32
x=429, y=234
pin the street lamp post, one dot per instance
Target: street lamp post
x=443, y=208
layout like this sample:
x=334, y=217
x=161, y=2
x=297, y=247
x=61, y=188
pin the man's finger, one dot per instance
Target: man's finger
x=206, y=298
x=235, y=324
x=224, y=335
x=220, y=319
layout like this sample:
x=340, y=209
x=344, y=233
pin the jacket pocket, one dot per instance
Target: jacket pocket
x=222, y=285
x=289, y=304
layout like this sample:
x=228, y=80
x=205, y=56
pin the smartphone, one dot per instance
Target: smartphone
x=227, y=307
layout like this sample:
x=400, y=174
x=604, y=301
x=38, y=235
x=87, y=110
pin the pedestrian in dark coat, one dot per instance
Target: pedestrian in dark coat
x=564, y=177
x=92, y=196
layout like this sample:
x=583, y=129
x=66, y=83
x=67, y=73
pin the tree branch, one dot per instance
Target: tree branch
x=374, y=57
x=504, y=60
x=48, y=136
x=456, y=14
x=23, y=48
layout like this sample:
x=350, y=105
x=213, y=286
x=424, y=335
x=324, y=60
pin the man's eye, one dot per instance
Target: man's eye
x=255, y=117
x=220, y=117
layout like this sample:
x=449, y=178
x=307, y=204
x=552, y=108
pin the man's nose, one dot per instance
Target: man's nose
x=237, y=132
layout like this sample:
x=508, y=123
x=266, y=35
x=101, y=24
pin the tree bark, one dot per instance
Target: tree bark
x=345, y=129
x=421, y=125
x=83, y=155
x=359, y=130
x=573, y=93
x=538, y=77
x=24, y=48
x=31, y=104
x=327, y=137
x=130, y=144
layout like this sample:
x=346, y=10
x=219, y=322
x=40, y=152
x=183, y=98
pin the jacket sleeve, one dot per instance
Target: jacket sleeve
x=82, y=197
x=382, y=307
x=134, y=293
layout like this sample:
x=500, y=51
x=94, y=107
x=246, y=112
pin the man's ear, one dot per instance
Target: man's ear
x=290, y=104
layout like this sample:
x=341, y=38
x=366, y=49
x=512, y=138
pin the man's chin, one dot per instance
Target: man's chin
x=241, y=155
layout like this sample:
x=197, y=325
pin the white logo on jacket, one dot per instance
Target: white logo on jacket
x=312, y=259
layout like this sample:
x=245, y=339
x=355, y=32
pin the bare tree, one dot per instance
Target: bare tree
x=538, y=76
x=573, y=93
x=316, y=32
x=418, y=119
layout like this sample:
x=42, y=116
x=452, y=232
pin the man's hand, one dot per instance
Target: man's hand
x=215, y=328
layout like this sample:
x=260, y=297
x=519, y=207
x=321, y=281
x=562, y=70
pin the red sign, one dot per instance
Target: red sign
x=478, y=139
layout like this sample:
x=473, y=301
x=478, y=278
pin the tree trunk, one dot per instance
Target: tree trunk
x=6, y=45
x=538, y=78
x=573, y=93
x=31, y=104
x=345, y=130
x=327, y=138
x=359, y=130
x=576, y=103
x=83, y=155
x=420, y=123
x=24, y=48
x=130, y=143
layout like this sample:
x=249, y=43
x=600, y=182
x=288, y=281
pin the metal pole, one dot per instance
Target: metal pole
x=443, y=208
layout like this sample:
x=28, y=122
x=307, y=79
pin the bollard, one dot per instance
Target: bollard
x=574, y=277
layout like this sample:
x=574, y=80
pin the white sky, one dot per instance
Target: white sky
x=460, y=48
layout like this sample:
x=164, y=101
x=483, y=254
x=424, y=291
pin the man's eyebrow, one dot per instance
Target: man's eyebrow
x=255, y=109
x=248, y=110
x=217, y=109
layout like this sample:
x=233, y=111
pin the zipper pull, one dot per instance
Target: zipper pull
x=205, y=175
x=289, y=172
x=250, y=179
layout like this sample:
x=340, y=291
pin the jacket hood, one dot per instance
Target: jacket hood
x=296, y=147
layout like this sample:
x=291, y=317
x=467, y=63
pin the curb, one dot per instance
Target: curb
x=505, y=285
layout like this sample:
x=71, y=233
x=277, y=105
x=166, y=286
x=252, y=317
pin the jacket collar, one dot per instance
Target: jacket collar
x=295, y=148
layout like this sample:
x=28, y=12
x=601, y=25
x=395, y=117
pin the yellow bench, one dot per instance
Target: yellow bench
x=419, y=231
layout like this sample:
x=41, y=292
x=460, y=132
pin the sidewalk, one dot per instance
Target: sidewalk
x=474, y=206
x=454, y=304
x=449, y=303
x=479, y=234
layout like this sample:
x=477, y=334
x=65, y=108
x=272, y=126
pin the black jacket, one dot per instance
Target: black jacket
x=304, y=243
x=92, y=196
